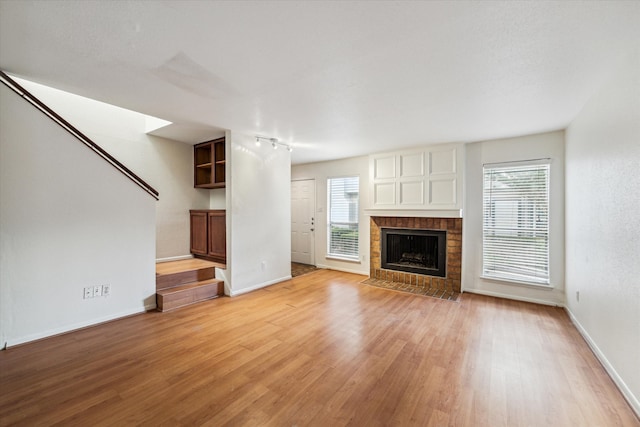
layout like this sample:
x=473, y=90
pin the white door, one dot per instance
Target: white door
x=303, y=206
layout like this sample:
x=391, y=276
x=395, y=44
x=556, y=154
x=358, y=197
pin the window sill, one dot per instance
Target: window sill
x=343, y=258
x=517, y=282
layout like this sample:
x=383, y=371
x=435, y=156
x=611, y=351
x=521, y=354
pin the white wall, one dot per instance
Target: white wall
x=356, y=166
x=603, y=225
x=68, y=220
x=544, y=145
x=165, y=164
x=258, y=214
x=218, y=198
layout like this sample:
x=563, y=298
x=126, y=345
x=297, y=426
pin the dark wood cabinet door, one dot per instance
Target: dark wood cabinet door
x=217, y=235
x=199, y=232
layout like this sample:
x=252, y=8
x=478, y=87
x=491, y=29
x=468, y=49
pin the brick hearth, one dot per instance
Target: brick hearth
x=453, y=226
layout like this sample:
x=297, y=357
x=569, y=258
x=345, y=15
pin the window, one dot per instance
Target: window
x=516, y=223
x=343, y=217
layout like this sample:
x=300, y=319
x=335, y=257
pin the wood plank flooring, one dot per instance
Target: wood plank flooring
x=317, y=350
x=165, y=268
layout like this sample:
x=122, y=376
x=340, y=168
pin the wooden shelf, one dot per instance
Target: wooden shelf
x=209, y=164
x=212, y=185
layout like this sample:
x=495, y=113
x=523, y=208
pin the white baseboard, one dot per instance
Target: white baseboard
x=233, y=293
x=173, y=258
x=619, y=382
x=346, y=270
x=79, y=325
x=513, y=297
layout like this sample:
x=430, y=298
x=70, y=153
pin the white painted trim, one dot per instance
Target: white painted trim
x=355, y=260
x=346, y=270
x=423, y=213
x=547, y=286
x=77, y=326
x=619, y=382
x=258, y=286
x=173, y=258
x=514, y=297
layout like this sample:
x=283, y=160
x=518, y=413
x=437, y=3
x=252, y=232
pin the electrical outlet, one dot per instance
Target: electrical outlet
x=88, y=292
x=106, y=290
x=97, y=291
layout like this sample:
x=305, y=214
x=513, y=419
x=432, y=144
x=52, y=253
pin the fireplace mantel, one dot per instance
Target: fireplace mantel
x=415, y=213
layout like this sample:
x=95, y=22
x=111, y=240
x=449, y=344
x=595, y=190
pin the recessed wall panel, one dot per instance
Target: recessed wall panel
x=443, y=192
x=384, y=167
x=412, y=193
x=443, y=161
x=417, y=179
x=412, y=165
x=384, y=193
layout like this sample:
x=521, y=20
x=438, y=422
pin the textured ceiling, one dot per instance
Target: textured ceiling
x=336, y=79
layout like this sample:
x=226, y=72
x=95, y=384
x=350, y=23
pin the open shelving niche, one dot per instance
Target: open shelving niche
x=210, y=164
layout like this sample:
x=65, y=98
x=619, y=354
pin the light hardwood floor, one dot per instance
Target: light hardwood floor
x=323, y=350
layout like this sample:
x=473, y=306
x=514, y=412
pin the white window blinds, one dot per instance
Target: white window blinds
x=343, y=217
x=516, y=223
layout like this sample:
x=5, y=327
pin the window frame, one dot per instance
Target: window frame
x=332, y=254
x=538, y=228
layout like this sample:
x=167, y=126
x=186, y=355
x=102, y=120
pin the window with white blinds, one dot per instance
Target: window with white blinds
x=343, y=215
x=516, y=223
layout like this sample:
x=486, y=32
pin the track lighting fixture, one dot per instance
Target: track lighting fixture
x=274, y=142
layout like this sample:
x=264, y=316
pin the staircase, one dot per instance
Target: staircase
x=184, y=282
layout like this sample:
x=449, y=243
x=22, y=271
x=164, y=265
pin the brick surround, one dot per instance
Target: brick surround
x=453, y=226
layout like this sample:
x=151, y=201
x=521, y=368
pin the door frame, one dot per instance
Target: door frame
x=312, y=251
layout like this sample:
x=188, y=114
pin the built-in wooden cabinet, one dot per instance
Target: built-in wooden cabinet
x=199, y=223
x=209, y=234
x=216, y=235
x=209, y=168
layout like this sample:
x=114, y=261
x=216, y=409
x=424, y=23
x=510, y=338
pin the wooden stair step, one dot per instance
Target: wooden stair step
x=180, y=296
x=174, y=273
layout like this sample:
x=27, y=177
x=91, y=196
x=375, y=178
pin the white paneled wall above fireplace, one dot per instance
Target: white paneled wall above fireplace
x=425, y=179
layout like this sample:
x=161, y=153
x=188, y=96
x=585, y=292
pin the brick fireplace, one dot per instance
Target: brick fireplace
x=452, y=227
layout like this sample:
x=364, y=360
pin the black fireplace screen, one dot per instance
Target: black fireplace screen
x=414, y=250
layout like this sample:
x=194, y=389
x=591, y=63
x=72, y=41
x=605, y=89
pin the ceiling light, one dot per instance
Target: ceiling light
x=274, y=142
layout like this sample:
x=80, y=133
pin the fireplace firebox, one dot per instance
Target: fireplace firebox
x=414, y=250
